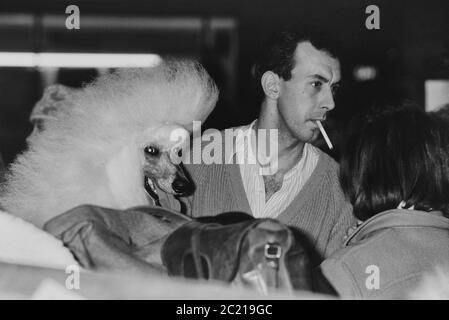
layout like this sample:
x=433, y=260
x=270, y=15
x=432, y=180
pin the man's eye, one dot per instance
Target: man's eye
x=152, y=151
x=317, y=84
x=180, y=153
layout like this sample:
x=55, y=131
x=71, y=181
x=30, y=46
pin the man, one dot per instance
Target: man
x=298, y=74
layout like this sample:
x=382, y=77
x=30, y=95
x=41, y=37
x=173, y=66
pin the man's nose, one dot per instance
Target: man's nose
x=329, y=102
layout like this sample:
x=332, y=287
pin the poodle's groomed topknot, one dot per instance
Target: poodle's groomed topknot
x=182, y=90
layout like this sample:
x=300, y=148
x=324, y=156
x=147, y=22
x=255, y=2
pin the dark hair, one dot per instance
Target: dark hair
x=278, y=54
x=443, y=112
x=395, y=155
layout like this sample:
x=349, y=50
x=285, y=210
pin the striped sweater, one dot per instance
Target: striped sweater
x=319, y=210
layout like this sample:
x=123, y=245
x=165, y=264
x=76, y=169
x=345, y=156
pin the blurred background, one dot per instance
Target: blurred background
x=406, y=59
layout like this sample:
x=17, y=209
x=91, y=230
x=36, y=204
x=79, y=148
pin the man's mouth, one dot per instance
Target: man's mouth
x=323, y=118
x=314, y=121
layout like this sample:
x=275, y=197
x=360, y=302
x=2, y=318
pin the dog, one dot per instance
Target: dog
x=114, y=146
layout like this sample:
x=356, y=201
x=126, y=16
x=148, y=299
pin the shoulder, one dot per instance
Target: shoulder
x=326, y=174
x=325, y=162
x=352, y=269
x=348, y=268
x=340, y=276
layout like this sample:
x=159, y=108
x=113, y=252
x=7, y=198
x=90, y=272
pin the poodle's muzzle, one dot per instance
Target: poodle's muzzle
x=181, y=185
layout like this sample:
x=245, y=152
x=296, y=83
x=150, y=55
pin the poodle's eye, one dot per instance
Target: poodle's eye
x=152, y=151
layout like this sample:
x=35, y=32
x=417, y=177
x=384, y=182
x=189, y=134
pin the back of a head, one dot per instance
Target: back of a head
x=394, y=155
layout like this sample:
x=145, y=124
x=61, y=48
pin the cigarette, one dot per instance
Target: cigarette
x=326, y=138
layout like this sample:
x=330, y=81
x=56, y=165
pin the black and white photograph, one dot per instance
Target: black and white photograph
x=198, y=151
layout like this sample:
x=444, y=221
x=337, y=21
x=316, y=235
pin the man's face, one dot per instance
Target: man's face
x=308, y=95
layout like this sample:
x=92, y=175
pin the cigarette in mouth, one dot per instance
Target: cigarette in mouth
x=326, y=138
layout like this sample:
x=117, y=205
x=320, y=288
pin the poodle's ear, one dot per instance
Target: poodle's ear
x=125, y=177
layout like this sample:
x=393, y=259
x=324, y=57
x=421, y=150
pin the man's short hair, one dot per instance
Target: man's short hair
x=278, y=54
x=395, y=155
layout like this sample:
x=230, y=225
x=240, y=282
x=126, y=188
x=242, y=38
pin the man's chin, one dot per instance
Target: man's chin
x=309, y=137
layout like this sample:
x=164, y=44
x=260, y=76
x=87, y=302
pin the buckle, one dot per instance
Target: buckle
x=273, y=251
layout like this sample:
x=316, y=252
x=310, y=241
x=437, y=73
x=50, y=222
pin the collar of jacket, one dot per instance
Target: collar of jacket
x=398, y=218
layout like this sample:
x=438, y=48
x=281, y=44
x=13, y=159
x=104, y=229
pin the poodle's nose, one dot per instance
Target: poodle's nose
x=180, y=185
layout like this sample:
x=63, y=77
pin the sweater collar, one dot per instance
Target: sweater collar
x=398, y=218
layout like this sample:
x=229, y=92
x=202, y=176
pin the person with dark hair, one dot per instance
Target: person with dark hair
x=298, y=74
x=443, y=112
x=395, y=172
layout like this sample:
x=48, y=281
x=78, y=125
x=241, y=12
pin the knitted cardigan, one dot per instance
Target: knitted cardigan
x=320, y=209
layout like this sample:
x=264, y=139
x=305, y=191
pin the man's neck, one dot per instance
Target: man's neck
x=290, y=149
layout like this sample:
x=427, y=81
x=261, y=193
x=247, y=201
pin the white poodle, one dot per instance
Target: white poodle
x=114, y=145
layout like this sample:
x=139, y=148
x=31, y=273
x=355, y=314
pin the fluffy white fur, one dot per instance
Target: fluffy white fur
x=23, y=243
x=92, y=152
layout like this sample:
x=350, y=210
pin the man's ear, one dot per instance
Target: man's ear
x=270, y=82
